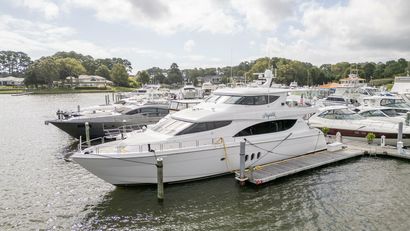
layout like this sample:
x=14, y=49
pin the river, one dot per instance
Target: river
x=40, y=190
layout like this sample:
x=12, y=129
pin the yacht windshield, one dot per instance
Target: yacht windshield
x=340, y=114
x=170, y=126
x=394, y=103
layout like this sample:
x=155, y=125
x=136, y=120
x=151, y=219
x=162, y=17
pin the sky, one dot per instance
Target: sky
x=209, y=33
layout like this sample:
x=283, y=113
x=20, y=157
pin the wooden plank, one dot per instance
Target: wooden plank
x=288, y=167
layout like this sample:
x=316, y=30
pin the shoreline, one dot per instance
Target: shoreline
x=63, y=91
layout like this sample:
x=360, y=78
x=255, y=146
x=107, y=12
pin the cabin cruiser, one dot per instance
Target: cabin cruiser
x=354, y=126
x=99, y=121
x=189, y=92
x=384, y=101
x=204, y=141
x=207, y=88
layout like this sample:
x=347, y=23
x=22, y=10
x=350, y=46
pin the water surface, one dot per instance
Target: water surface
x=39, y=190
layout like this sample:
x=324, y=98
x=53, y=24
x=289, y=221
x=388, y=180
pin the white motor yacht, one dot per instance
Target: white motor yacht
x=204, y=141
x=354, y=126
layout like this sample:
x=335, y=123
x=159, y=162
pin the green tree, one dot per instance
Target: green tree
x=159, y=78
x=119, y=75
x=143, y=77
x=14, y=63
x=69, y=67
x=42, y=71
x=103, y=71
x=174, y=74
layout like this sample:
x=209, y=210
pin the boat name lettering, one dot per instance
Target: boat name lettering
x=268, y=115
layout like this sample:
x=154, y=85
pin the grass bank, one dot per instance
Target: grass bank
x=64, y=90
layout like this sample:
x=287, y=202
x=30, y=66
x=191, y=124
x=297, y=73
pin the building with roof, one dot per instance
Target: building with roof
x=88, y=81
x=11, y=81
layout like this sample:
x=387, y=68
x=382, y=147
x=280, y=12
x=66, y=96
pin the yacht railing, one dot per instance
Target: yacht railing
x=166, y=146
x=221, y=142
x=113, y=133
x=86, y=144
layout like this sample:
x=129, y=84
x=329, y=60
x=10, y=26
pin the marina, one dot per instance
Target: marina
x=213, y=115
x=55, y=193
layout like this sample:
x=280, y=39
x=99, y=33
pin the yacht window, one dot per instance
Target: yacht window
x=252, y=100
x=394, y=103
x=212, y=99
x=170, y=126
x=391, y=112
x=340, y=114
x=374, y=113
x=267, y=127
x=233, y=99
x=204, y=126
x=133, y=112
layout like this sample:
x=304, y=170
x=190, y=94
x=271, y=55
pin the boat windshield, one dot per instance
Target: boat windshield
x=243, y=100
x=170, y=126
x=400, y=103
x=340, y=114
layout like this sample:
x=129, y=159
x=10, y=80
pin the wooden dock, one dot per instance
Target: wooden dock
x=268, y=172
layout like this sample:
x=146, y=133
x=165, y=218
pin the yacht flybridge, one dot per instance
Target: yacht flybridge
x=203, y=141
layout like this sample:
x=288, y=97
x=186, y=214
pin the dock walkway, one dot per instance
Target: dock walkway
x=271, y=171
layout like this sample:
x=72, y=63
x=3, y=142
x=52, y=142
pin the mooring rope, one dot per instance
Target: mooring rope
x=268, y=151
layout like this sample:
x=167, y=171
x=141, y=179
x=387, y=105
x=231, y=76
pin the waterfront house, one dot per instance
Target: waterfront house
x=88, y=81
x=11, y=81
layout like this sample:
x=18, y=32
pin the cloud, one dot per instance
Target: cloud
x=48, y=8
x=42, y=38
x=265, y=15
x=164, y=17
x=360, y=30
x=189, y=45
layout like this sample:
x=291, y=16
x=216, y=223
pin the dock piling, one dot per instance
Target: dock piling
x=160, y=179
x=383, y=141
x=339, y=137
x=408, y=119
x=242, y=177
x=78, y=108
x=400, y=139
x=87, y=134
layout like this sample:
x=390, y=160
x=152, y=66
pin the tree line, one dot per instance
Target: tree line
x=46, y=70
x=57, y=67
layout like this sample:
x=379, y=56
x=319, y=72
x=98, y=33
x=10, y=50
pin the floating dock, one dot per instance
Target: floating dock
x=268, y=172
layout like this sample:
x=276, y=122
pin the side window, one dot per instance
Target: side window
x=162, y=111
x=267, y=127
x=365, y=114
x=149, y=111
x=133, y=112
x=204, y=126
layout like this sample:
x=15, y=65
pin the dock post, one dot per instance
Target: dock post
x=124, y=129
x=160, y=179
x=87, y=134
x=408, y=119
x=108, y=99
x=113, y=97
x=400, y=139
x=78, y=108
x=383, y=141
x=242, y=164
x=339, y=137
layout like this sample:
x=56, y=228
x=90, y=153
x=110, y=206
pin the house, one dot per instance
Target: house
x=11, y=81
x=214, y=79
x=88, y=81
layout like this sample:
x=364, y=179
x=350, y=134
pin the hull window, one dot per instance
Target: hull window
x=267, y=127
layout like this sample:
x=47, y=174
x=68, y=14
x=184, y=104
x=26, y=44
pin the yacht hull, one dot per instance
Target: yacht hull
x=76, y=128
x=199, y=162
